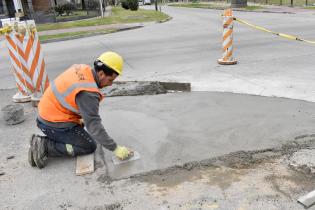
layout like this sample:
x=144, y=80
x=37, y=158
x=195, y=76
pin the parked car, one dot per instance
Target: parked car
x=146, y=2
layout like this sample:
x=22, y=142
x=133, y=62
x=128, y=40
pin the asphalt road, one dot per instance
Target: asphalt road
x=172, y=129
x=186, y=49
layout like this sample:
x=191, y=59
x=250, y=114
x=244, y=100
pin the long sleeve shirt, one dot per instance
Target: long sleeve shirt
x=88, y=104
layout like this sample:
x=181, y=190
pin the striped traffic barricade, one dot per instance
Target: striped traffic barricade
x=227, y=46
x=27, y=60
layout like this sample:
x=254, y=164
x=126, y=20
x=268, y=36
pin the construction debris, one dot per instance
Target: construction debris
x=303, y=161
x=13, y=114
x=10, y=157
x=133, y=88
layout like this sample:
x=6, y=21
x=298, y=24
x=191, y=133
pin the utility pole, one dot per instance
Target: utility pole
x=101, y=8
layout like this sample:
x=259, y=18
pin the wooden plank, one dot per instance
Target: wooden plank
x=85, y=164
x=308, y=199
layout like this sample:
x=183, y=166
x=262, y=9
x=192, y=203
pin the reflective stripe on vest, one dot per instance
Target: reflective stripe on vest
x=61, y=97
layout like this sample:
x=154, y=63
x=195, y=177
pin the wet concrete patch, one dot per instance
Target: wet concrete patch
x=190, y=129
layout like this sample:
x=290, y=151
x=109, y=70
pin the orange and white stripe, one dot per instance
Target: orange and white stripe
x=27, y=62
x=227, y=57
x=36, y=65
x=19, y=51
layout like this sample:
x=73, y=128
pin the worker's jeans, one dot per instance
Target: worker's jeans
x=70, y=141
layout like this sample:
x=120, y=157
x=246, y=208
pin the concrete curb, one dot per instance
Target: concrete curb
x=91, y=34
x=176, y=86
x=136, y=88
x=165, y=20
x=263, y=11
x=168, y=86
x=242, y=10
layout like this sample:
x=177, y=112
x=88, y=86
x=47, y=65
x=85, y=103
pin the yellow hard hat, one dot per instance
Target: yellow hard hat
x=113, y=61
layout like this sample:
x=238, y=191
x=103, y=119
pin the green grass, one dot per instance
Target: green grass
x=73, y=34
x=119, y=15
x=309, y=7
x=252, y=8
x=212, y=6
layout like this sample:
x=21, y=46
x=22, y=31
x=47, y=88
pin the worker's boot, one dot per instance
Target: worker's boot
x=30, y=151
x=40, y=152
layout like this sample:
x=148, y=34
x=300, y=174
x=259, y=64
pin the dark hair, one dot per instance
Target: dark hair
x=100, y=66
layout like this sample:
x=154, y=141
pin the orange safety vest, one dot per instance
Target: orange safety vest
x=58, y=102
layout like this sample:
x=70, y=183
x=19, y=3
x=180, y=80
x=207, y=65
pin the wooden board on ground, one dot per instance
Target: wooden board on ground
x=85, y=164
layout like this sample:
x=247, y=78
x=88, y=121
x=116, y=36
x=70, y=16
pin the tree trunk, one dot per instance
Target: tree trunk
x=83, y=4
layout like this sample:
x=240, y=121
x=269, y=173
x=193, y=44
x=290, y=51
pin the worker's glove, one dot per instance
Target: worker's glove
x=122, y=152
x=82, y=123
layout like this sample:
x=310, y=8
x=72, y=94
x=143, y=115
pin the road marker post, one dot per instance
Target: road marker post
x=227, y=57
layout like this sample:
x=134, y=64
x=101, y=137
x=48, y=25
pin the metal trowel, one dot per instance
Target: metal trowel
x=134, y=156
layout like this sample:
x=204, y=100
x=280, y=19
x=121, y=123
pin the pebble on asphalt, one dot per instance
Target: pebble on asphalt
x=10, y=157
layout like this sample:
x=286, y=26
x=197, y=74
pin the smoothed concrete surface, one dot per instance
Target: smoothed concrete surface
x=174, y=129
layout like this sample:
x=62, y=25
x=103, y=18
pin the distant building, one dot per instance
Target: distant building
x=39, y=10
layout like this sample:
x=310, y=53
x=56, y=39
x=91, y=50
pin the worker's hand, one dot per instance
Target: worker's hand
x=122, y=152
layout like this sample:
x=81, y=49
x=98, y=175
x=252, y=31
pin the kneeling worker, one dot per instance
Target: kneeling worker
x=72, y=97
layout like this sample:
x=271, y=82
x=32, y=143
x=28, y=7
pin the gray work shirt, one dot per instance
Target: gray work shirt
x=88, y=104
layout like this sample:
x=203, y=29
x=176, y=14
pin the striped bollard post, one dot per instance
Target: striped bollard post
x=227, y=58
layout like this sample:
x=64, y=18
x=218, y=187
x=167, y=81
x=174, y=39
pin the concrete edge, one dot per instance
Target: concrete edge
x=168, y=86
x=241, y=10
x=176, y=86
x=233, y=159
x=165, y=20
x=91, y=34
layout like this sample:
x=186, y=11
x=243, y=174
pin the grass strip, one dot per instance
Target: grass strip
x=74, y=34
x=119, y=15
x=309, y=7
